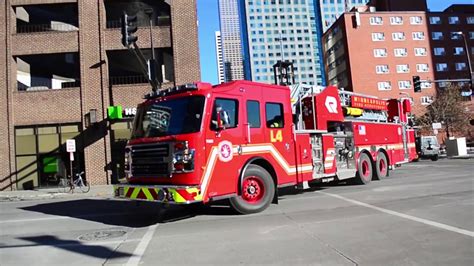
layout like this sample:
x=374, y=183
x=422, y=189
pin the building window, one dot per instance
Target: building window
x=400, y=52
x=470, y=20
x=436, y=35
x=380, y=52
x=471, y=35
x=376, y=21
x=453, y=20
x=455, y=36
x=418, y=35
x=396, y=20
x=378, y=36
x=420, y=52
x=404, y=84
x=460, y=66
x=403, y=69
x=459, y=51
x=381, y=69
x=425, y=85
x=426, y=100
x=439, y=51
x=398, y=36
x=435, y=20
x=422, y=68
x=416, y=20
x=441, y=67
x=384, y=86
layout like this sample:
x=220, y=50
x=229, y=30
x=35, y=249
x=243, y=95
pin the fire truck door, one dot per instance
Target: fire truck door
x=278, y=133
x=224, y=132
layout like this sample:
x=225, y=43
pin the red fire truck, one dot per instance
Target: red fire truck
x=243, y=140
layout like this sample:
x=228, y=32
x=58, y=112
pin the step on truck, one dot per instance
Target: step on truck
x=242, y=140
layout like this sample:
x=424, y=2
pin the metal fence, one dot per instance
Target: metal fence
x=159, y=21
x=30, y=28
x=123, y=80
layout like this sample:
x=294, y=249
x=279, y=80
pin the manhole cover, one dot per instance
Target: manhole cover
x=102, y=235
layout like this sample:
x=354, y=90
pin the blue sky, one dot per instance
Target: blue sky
x=209, y=23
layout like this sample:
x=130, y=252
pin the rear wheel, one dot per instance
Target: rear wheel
x=85, y=186
x=64, y=185
x=257, y=193
x=381, y=166
x=364, y=170
x=435, y=157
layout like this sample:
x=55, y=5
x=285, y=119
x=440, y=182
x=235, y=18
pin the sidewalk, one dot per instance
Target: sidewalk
x=53, y=193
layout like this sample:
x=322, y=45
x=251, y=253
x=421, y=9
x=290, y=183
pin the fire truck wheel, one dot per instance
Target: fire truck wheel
x=364, y=170
x=257, y=189
x=381, y=166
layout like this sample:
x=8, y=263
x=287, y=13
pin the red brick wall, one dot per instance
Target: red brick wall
x=70, y=105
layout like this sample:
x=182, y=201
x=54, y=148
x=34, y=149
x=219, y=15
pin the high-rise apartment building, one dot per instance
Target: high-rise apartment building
x=451, y=35
x=332, y=9
x=285, y=30
x=63, y=65
x=219, y=57
x=231, y=39
x=378, y=53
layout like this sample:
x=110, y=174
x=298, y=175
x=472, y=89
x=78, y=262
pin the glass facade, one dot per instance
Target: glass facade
x=41, y=157
x=282, y=30
x=332, y=9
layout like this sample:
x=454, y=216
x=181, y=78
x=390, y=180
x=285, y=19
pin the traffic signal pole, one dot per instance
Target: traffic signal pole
x=130, y=41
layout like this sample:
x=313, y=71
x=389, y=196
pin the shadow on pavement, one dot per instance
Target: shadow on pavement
x=127, y=213
x=76, y=247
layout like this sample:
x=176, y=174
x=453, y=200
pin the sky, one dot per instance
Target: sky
x=208, y=18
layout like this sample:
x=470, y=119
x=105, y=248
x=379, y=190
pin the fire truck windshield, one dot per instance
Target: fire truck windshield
x=171, y=117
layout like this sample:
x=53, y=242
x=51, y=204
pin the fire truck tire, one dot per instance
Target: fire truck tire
x=364, y=170
x=257, y=189
x=381, y=166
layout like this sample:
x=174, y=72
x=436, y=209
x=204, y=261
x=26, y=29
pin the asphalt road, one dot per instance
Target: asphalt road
x=422, y=215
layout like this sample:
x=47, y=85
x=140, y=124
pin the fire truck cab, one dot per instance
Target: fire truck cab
x=243, y=140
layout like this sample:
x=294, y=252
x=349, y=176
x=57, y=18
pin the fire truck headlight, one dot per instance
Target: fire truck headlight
x=127, y=158
x=183, y=158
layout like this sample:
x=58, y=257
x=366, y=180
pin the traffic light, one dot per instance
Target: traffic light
x=128, y=28
x=416, y=84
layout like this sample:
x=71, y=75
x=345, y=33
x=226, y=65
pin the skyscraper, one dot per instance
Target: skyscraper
x=282, y=30
x=220, y=61
x=332, y=9
x=231, y=40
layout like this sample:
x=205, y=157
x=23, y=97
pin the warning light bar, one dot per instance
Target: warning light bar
x=172, y=90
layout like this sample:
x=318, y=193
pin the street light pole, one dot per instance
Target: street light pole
x=468, y=57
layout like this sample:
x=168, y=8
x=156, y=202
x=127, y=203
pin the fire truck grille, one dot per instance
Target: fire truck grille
x=151, y=160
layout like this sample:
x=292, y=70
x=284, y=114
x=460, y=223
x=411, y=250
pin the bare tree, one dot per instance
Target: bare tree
x=449, y=109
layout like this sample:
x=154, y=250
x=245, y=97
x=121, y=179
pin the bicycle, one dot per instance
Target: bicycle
x=65, y=185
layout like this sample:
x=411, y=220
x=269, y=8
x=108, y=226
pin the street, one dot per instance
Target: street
x=423, y=214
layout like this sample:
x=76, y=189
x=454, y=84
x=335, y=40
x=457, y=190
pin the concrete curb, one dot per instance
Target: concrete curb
x=100, y=191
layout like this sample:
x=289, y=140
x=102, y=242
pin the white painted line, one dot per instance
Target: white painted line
x=64, y=217
x=140, y=250
x=402, y=215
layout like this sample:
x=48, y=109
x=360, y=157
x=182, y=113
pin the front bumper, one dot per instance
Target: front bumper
x=165, y=194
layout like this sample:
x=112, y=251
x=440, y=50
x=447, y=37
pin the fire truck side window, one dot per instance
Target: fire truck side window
x=274, y=115
x=228, y=113
x=253, y=114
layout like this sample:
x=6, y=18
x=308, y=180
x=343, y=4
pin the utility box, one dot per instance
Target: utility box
x=456, y=147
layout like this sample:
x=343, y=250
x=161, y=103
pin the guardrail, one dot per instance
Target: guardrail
x=159, y=21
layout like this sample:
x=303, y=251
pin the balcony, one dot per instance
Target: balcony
x=46, y=18
x=47, y=72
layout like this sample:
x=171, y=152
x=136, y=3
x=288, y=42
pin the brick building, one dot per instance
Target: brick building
x=64, y=61
x=377, y=49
